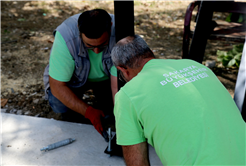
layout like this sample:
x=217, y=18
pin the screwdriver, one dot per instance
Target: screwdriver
x=58, y=144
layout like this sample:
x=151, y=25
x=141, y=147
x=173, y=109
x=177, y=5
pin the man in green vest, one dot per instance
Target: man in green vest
x=80, y=59
x=177, y=106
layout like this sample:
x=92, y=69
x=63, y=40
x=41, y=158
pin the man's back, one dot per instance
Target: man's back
x=184, y=112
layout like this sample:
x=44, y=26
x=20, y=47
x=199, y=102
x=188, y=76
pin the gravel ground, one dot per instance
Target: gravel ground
x=26, y=36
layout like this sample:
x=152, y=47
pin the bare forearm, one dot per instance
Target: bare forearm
x=136, y=155
x=114, y=86
x=67, y=97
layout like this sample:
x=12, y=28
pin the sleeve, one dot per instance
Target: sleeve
x=62, y=64
x=113, y=71
x=128, y=128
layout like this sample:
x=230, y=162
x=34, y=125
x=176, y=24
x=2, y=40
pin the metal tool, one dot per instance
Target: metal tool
x=105, y=135
x=58, y=144
x=109, y=140
x=105, y=123
x=113, y=149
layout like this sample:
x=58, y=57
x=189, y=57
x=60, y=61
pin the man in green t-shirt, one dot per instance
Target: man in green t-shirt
x=177, y=106
x=80, y=60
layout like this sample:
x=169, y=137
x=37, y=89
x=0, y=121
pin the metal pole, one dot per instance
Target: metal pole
x=124, y=19
x=202, y=31
x=124, y=24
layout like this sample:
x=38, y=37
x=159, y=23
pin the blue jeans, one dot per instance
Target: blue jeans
x=102, y=92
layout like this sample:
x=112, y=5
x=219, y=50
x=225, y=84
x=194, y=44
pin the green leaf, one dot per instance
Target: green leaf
x=225, y=62
x=240, y=19
x=231, y=63
x=21, y=19
x=228, y=57
x=232, y=57
x=219, y=59
x=238, y=56
x=239, y=47
x=237, y=64
x=228, y=18
x=221, y=53
x=234, y=51
x=231, y=53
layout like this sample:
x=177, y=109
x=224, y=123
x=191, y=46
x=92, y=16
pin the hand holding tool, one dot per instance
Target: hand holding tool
x=94, y=115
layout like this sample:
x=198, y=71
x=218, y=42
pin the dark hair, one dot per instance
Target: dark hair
x=93, y=23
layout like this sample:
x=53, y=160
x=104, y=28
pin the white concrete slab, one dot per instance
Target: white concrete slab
x=3, y=110
x=24, y=136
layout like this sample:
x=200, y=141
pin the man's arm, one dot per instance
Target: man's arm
x=63, y=93
x=114, y=86
x=136, y=155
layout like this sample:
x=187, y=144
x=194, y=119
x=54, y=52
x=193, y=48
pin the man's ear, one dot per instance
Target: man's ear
x=123, y=70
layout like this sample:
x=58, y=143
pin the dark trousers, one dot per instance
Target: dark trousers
x=103, y=95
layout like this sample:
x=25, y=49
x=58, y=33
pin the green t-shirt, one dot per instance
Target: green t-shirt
x=62, y=63
x=184, y=112
x=96, y=71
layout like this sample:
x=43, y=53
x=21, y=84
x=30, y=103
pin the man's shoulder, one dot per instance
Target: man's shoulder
x=173, y=63
x=70, y=21
x=121, y=95
x=130, y=87
x=68, y=28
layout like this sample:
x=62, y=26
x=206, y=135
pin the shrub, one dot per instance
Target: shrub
x=231, y=58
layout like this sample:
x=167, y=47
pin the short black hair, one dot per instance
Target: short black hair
x=93, y=23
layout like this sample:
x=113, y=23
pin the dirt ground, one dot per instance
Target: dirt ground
x=26, y=39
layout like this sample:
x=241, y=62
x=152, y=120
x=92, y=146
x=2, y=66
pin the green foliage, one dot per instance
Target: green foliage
x=239, y=18
x=231, y=58
x=21, y=19
x=228, y=18
x=6, y=31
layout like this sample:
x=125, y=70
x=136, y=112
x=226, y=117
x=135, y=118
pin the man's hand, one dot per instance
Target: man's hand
x=94, y=115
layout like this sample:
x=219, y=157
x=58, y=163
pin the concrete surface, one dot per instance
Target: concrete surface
x=3, y=110
x=24, y=136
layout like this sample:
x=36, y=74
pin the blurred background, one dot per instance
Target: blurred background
x=26, y=40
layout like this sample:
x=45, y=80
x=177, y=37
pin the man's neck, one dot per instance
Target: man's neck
x=142, y=63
